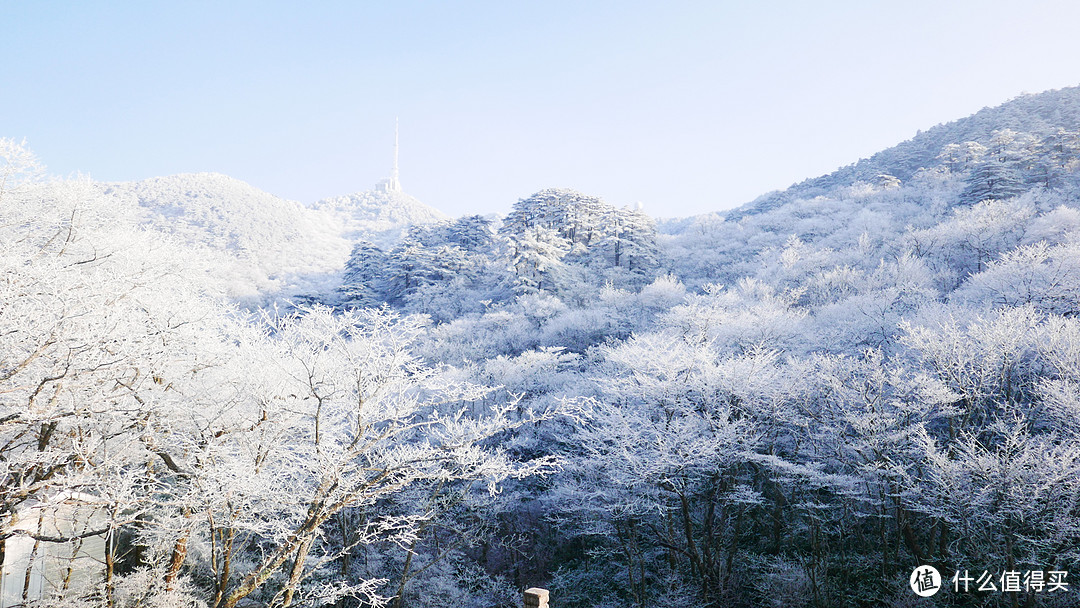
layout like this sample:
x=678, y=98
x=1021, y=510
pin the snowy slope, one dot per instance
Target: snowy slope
x=264, y=244
x=1040, y=115
x=971, y=190
x=261, y=245
x=376, y=216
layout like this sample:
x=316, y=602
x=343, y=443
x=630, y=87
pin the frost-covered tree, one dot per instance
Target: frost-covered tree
x=965, y=243
x=1040, y=275
x=559, y=237
x=216, y=450
x=365, y=276
x=1057, y=156
x=106, y=333
x=960, y=157
x=999, y=174
x=18, y=165
x=536, y=256
x=628, y=241
x=472, y=233
x=357, y=421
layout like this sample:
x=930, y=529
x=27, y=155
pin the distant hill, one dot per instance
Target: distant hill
x=263, y=245
x=379, y=216
x=230, y=215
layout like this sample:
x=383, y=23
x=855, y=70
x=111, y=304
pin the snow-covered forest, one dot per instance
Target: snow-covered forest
x=249, y=402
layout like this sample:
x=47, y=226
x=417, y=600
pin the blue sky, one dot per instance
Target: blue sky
x=686, y=107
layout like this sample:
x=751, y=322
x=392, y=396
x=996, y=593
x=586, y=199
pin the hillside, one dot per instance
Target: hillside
x=260, y=244
x=263, y=244
x=381, y=217
x=1013, y=163
x=792, y=405
x=1039, y=115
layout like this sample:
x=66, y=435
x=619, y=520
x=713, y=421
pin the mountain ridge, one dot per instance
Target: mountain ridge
x=267, y=244
x=1039, y=114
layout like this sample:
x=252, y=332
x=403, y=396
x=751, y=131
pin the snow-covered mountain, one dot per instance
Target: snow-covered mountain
x=863, y=369
x=380, y=216
x=1003, y=169
x=262, y=245
x=1039, y=115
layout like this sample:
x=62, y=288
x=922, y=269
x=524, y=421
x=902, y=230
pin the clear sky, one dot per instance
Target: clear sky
x=686, y=107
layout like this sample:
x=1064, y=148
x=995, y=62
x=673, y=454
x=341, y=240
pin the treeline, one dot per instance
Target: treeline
x=556, y=241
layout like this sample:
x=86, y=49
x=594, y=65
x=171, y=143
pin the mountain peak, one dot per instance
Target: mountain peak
x=381, y=215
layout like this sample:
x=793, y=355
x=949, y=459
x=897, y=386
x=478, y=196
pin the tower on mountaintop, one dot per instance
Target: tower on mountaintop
x=392, y=183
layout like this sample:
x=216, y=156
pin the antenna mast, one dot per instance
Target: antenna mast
x=392, y=183
x=394, y=173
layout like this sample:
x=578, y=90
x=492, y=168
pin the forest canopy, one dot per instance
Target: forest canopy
x=793, y=404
